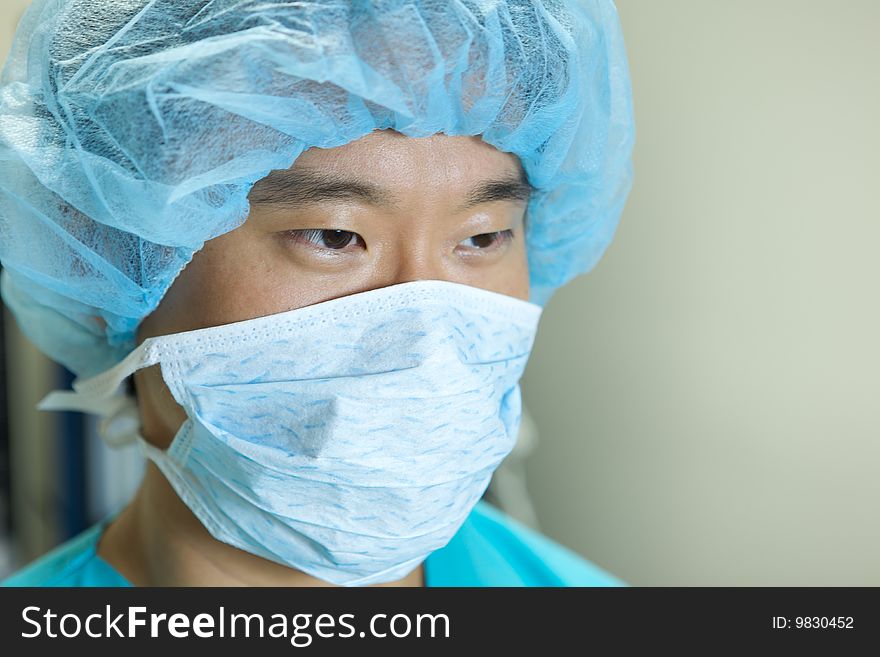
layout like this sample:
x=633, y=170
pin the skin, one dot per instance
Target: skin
x=272, y=263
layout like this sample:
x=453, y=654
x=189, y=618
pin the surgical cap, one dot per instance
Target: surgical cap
x=131, y=131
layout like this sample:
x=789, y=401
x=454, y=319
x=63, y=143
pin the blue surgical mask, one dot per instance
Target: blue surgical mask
x=348, y=439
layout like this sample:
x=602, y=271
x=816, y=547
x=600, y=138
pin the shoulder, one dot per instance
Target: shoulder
x=73, y=563
x=493, y=549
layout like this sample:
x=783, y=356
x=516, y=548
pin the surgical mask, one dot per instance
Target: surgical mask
x=348, y=439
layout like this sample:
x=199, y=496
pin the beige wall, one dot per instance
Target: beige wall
x=10, y=10
x=706, y=397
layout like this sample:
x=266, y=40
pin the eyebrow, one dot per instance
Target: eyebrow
x=292, y=187
x=296, y=187
x=507, y=189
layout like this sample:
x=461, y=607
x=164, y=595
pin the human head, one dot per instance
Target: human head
x=132, y=132
x=438, y=207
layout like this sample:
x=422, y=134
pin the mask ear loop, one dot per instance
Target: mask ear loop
x=104, y=395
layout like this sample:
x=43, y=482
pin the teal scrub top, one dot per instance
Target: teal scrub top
x=489, y=549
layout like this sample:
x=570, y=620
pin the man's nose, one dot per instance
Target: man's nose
x=416, y=265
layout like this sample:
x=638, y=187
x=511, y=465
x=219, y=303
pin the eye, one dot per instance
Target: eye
x=327, y=239
x=490, y=241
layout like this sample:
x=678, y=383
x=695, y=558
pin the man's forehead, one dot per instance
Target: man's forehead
x=313, y=183
x=454, y=155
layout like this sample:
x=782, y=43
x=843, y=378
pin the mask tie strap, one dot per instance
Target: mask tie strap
x=103, y=395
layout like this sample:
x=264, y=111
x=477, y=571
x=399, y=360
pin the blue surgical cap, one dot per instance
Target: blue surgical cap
x=131, y=131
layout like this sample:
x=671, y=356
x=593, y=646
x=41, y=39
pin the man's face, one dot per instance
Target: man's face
x=377, y=211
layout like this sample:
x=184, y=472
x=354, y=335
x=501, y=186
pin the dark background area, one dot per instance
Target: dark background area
x=5, y=507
